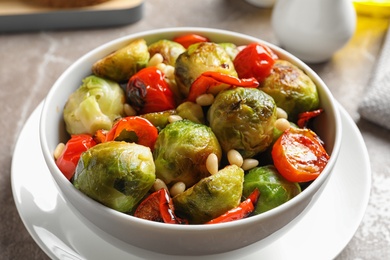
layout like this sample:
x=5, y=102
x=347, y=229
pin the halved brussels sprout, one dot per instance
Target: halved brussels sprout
x=291, y=89
x=123, y=63
x=243, y=119
x=116, y=174
x=170, y=50
x=181, y=151
x=274, y=189
x=198, y=58
x=211, y=196
x=93, y=106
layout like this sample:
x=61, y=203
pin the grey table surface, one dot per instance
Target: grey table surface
x=30, y=62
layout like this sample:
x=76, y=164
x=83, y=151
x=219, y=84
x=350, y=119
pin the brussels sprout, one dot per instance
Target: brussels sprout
x=211, y=196
x=274, y=189
x=116, y=174
x=170, y=50
x=93, y=106
x=198, y=58
x=159, y=119
x=291, y=89
x=191, y=111
x=230, y=49
x=123, y=63
x=243, y=119
x=181, y=151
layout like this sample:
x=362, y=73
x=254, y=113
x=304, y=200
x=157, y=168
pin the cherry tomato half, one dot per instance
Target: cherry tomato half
x=299, y=155
x=158, y=207
x=147, y=92
x=133, y=129
x=70, y=156
x=189, y=39
x=255, y=60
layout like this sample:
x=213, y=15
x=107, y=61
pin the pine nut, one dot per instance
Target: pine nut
x=234, y=157
x=129, y=110
x=282, y=124
x=212, y=163
x=58, y=151
x=177, y=188
x=280, y=113
x=169, y=72
x=161, y=67
x=205, y=100
x=174, y=118
x=155, y=60
x=159, y=184
x=249, y=164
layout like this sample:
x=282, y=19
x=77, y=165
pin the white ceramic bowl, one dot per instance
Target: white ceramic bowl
x=262, y=3
x=122, y=229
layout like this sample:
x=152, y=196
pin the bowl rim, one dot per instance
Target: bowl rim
x=161, y=33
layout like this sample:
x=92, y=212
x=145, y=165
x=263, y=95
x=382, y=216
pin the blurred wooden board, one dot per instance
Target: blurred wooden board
x=20, y=15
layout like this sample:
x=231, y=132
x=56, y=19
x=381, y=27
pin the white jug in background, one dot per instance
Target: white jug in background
x=313, y=30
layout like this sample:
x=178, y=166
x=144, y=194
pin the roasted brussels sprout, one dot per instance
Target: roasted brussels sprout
x=116, y=174
x=212, y=196
x=243, y=119
x=181, y=151
x=230, y=49
x=274, y=189
x=159, y=119
x=93, y=106
x=170, y=50
x=198, y=58
x=291, y=89
x=191, y=111
x=123, y=63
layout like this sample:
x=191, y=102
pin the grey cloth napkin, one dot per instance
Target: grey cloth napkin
x=375, y=105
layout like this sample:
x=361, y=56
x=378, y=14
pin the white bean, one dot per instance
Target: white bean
x=234, y=157
x=205, y=100
x=212, y=163
x=58, y=151
x=282, y=124
x=249, y=164
x=177, y=188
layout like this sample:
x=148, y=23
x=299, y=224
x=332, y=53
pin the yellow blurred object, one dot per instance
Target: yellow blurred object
x=379, y=8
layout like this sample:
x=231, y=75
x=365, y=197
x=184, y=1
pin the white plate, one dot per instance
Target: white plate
x=322, y=232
